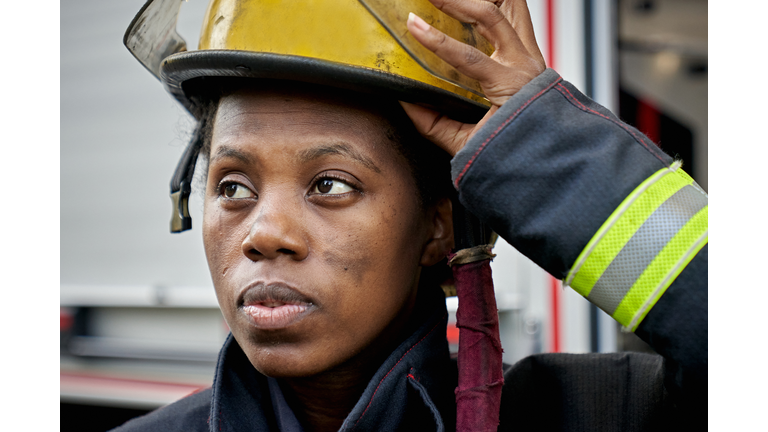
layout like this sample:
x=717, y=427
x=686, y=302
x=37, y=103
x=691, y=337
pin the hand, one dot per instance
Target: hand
x=515, y=61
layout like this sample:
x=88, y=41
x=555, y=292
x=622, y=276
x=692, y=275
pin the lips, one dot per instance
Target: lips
x=274, y=305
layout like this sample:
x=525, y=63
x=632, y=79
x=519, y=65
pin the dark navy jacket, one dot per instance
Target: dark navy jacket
x=545, y=172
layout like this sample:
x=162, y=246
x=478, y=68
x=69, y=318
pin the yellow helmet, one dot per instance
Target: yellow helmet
x=358, y=45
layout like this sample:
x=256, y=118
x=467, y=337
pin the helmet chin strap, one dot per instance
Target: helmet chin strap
x=181, y=182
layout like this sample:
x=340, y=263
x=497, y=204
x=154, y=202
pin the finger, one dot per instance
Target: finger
x=465, y=58
x=487, y=19
x=450, y=135
x=516, y=11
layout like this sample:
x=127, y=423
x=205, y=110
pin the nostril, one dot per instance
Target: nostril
x=286, y=251
x=254, y=252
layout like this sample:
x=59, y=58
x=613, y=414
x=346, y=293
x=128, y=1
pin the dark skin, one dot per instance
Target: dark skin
x=313, y=219
x=309, y=208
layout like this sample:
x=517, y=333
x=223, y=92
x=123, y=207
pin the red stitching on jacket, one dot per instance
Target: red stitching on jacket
x=393, y=368
x=572, y=98
x=506, y=122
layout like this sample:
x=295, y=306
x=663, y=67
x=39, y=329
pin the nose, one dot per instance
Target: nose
x=276, y=231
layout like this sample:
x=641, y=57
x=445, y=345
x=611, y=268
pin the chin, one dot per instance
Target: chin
x=280, y=360
x=281, y=370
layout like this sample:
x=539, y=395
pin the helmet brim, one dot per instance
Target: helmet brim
x=187, y=74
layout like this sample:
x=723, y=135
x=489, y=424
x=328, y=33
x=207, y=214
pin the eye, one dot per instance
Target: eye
x=330, y=186
x=235, y=191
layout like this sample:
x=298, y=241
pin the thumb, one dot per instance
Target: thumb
x=450, y=135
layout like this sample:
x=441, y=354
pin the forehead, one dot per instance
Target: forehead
x=302, y=110
x=296, y=125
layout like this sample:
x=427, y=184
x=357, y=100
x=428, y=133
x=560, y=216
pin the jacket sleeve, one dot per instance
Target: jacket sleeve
x=594, y=202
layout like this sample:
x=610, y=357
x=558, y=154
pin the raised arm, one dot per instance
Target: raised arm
x=587, y=197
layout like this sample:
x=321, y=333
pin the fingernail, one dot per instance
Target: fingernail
x=418, y=22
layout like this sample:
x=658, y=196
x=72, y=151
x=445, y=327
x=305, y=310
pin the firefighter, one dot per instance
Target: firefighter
x=327, y=221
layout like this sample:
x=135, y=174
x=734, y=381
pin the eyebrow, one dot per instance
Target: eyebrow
x=229, y=152
x=339, y=149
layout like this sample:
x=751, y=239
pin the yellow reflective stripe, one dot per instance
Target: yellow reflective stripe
x=622, y=225
x=663, y=270
x=595, y=240
x=644, y=246
x=685, y=175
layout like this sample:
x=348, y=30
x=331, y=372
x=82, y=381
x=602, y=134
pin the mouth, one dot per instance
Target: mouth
x=274, y=305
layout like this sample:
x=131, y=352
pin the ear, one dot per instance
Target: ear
x=441, y=240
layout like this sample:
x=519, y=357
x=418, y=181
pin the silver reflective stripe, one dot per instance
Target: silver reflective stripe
x=643, y=247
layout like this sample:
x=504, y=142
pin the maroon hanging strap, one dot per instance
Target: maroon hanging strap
x=478, y=395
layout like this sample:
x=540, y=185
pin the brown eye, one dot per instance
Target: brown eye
x=332, y=187
x=235, y=190
x=230, y=190
x=325, y=186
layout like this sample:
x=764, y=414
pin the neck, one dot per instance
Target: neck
x=322, y=402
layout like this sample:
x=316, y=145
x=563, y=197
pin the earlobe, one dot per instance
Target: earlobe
x=441, y=241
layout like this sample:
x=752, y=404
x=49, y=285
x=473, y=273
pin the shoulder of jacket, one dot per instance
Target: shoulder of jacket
x=188, y=414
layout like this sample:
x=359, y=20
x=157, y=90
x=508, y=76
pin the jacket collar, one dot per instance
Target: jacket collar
x=413, y=388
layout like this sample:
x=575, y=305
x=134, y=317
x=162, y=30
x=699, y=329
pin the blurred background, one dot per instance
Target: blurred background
x=140, y=326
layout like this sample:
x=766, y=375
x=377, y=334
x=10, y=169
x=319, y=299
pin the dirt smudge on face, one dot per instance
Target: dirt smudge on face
x=352, y=259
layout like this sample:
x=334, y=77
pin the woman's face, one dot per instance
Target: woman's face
x=313, y=231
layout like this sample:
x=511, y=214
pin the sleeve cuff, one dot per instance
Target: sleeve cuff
x=643, y=246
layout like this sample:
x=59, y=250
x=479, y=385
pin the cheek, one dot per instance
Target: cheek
x=376, y=252
x=351, y=261
x=222, y=238
x=349, y=248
